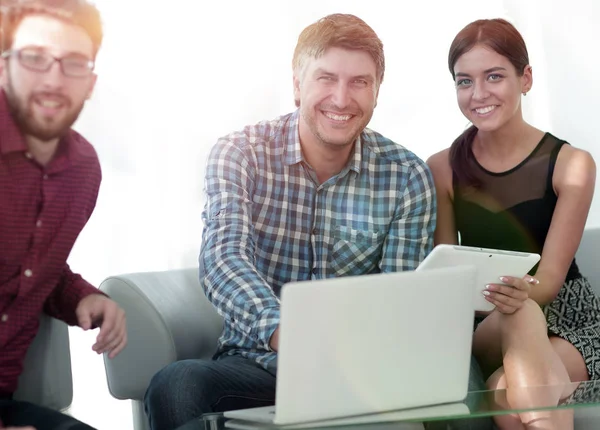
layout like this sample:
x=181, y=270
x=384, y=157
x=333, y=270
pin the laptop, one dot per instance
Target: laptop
x=410, y=419
x=369, y=344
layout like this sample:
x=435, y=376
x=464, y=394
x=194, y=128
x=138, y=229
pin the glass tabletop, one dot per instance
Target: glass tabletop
x=477, y=404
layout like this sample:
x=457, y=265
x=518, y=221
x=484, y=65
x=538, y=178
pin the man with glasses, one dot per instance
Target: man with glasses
x=49, y=181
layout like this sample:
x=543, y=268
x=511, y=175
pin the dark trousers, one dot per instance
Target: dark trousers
x=179, y=394
x=19, y=414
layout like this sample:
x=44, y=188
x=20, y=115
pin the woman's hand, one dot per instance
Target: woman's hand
x=509, y=297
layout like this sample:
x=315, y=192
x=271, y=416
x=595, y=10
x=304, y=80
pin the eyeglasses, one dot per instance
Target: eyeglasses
x=73, y=65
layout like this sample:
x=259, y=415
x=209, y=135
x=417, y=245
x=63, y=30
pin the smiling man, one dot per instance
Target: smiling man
x=309, y=195
x=49, y=180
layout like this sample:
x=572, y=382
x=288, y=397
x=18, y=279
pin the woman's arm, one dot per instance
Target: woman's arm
x=574, y=180
x=445, y=231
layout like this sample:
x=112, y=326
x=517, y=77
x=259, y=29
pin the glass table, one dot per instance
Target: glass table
x=477, y=404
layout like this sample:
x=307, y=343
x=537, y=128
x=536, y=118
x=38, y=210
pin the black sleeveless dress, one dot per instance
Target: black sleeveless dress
x=513, y=210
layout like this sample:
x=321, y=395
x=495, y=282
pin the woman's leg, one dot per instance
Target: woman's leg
x=559, y=419
x=520, y=344
x=571, y=359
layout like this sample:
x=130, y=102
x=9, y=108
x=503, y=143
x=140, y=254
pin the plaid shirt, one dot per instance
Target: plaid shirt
x=268, y=221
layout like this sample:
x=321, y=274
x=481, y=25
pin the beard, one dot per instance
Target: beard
x=311, y=118
x=43, y=129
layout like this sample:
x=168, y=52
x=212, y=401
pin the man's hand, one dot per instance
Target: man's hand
x=102, y=311
x=511, y=296
x=274, y=341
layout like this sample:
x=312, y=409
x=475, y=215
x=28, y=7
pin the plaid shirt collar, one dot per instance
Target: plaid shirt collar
x=293, y=147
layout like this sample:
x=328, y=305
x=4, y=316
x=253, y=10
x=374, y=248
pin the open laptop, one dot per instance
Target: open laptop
x=411, y=419
x=368, y=344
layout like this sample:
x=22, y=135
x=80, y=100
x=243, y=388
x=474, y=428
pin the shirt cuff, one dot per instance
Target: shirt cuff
x=265, y=325
x=79, y=291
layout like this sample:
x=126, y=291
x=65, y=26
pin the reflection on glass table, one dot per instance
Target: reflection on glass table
x=476, y=404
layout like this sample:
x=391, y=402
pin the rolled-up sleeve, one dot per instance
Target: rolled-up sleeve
x=227, y=264
x=410, y=237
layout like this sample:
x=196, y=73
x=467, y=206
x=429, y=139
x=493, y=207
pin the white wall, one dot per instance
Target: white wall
x=563, y=38
x=174, y=78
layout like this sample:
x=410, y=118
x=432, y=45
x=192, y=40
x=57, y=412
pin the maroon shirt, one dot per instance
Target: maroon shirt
x=42, y=211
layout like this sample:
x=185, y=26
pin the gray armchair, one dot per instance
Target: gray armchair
x=587, y=257
x=46, y=379
x=587, y=260
x=169, y=318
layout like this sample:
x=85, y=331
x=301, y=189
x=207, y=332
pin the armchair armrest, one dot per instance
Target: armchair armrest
x=46, y=379
x=169, y=318
x=587, y=257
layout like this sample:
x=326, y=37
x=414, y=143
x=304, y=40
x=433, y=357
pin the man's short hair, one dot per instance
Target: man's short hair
x=340, y=31
x=78, y=12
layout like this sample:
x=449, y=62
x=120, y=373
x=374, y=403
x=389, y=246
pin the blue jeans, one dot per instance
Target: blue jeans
x=181, y=392
x=16, y=413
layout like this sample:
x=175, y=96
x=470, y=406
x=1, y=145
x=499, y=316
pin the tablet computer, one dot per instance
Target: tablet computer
x=490, y=264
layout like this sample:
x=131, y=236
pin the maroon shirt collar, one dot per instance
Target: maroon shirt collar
x=72, y=145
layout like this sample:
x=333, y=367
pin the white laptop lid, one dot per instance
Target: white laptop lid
x=373, y=343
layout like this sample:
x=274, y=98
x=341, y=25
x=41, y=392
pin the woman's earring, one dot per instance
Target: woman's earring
x=524, y=93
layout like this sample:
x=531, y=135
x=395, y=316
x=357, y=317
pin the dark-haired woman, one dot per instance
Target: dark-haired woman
x=505, y=184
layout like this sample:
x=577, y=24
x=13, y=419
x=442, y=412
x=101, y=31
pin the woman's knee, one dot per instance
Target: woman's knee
x=529, y=317
x=497, y=380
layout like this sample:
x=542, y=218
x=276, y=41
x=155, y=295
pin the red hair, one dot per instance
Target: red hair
x=340, y=31
x=78, y=12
